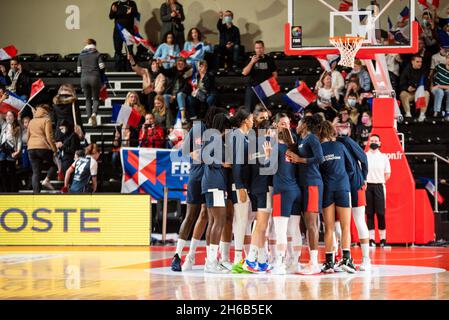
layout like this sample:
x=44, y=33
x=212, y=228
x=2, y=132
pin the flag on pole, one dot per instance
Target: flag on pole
x=324, y=63
x=7, y=53
x=123, y=114
x=194, y=80
x=36, y=87
x=267, y=88
x=12, y=103
x=188, y=53
x=429, y=184
x=300, y=97
x=345, y=5
x=404, y=15
x=420, y=95
x=126, y=36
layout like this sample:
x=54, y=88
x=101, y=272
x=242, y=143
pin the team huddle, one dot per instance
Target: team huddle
x=253, y=180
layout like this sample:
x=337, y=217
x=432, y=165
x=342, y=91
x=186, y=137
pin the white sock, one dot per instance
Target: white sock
x=238, y=256
x=273, y=250
x=213, y=252
x=262, y=255
x=365, y=250
x=382, y=234
x=239, y=224
x=224, y=249
x=372, y=235
x=314, y=257
x=193, y=245
x=179, y=246
x=207, y=250
x=252, y=253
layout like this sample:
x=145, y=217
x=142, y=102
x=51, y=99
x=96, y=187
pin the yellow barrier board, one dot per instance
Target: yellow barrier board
x=75, y=220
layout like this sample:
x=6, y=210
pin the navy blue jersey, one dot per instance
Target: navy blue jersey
x=241, y=170
x=193, y=143
x=360, y=159
x=260, y=182
x=310, y=149
x=337, y=167
x=85, y=169
x=214, y=176
x=285, y=177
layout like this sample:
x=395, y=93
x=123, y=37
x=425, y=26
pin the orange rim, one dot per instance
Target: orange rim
x=346, y=39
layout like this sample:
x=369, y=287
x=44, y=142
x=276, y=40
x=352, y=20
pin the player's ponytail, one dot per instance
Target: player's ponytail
x=327, y=131
x=91, y=149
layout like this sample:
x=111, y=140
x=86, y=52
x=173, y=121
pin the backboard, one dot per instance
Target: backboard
x=387, y=26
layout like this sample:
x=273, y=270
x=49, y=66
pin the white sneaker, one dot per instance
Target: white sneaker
x=90, y=121
x=293, y=268
x=279, y=269
x=188, y=263
x=47, y=185
x=311, y=269
x=227, y=264
x=365, y=265
x=214, y=267
x=93, y=119
x=422, y=117
x=408, y=115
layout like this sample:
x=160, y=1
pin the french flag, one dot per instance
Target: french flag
x=104, y=87
x=127, y=37
x=177, y=135
x=427, y=4
x=404, y=15
x=36, y=88
x=194, y=80
x=7, y=53
x=345, y=5
x=187, y=54
x=300, y=97
x=429, y=184
x=267, y=88
x=123, y=114
x=420, y=95
x=13, y=103
x=324, y=63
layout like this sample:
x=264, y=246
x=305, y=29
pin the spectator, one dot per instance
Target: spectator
x=133, y=100
x=91, y=66
x=409, y=82
x=4, y=78
x=178, y=87
x=162, y=113
x=352, y=102
x=168, y=51
x=362, y=74
x=172, y=16
x=229, y=45
x=20, y=84
x=425, y=54
x=85, y=169
x=429, y=34
x=152, y=79
x=203, y=95
x=440, y=88
x=25, y=172
x=123, y=12
x=10, y=151
x=67, y=142
x=353, y=85
x=194, y=39
x=41, y=147
x=115, y=157
x=151, y=135
x=443, y=35
x=394, y=65
x=363, y=129
x=258, y=69
x=343, y=123
x=438, y=58
x=66, y=107
x=338, y=82
x=326, y=102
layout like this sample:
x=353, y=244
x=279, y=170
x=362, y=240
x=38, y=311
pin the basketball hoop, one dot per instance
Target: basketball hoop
x=348, y=47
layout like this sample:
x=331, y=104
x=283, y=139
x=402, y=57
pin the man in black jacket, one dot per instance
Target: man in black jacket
x=122, y=12
x=229, y=46
x=178, y=86
x=408, y=85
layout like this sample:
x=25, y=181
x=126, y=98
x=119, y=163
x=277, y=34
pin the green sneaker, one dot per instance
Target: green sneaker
x=238, y=268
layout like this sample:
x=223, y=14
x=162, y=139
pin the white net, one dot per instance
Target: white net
x=348, y=47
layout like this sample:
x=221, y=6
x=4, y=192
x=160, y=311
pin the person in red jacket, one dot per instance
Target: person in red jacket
x=151, y=135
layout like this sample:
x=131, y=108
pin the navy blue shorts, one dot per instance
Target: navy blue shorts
x=262, y=201
x=312, y=198
x=341, y=199
x=194, y=195
x=358, y=197
x=215, y=198
x=287, y=203
x=234, y=195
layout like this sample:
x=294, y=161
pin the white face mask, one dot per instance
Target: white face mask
x=63, y=130
x=352, y=102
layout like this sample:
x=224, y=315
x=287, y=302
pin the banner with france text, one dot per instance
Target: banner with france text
x=148, y=171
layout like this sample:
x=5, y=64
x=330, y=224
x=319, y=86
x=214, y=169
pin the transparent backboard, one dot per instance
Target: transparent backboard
x=387, y=26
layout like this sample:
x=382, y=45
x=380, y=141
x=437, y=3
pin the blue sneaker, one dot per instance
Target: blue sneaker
x=265, y=267
x=251, y=266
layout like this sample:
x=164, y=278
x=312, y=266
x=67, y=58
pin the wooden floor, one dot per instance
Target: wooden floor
x=142, y=273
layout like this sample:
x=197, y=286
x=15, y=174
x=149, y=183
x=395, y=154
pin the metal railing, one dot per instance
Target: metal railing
x=436, y=158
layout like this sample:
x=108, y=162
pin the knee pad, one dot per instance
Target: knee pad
x=360, y=223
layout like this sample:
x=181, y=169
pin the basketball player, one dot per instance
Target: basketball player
x=309, y=159
x=335, y=170
x=358, y=197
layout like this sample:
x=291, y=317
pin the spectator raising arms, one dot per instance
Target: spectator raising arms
x=172, y=16
x=168, y=51
x=151, y=135
x=440, y=88
x=195, y=39
x=408, y=85
x=229, y=45
x=10, y=151
x=85, y=169
x=162, y=113
x=153, y=81
x=41, y=147
x=91, y=66
x=259, y=68
x=203, y=95
x=122, y=12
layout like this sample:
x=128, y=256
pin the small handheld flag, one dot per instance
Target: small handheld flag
x=7, y=53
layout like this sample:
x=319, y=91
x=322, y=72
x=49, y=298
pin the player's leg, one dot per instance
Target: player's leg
x=370, y=207
x=198, y=231
x=343, y=207
x=239, y=226
x=358, y=199
x=281, y=214
x=329, y=226
x=312, y=206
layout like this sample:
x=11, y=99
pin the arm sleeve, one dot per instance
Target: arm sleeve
x=349, y=164
x=181, y=10
x=237, y=36
x=220, y=25
x=360, y=156
x=49, y=135
x=318, y=157
x=112, y=14
x=101, y=64
x=158, y=53
x=403, y=84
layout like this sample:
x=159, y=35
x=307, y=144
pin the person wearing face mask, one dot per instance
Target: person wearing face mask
x=379, y=172
x=428, y=32
x=67, y=143
x=363, y=129
x=229, y=46
x=172, y=16
x=10, y=151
